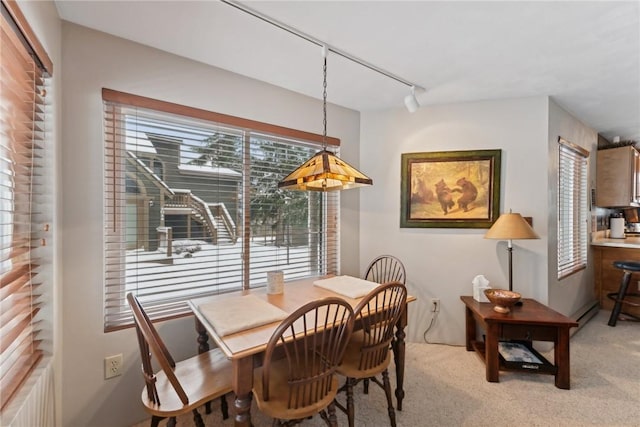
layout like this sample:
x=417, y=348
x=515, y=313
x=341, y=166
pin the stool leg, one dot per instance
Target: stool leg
x=626, y=278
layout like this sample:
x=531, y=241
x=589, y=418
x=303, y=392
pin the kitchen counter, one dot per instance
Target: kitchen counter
x=607, y=277
x=632, y=242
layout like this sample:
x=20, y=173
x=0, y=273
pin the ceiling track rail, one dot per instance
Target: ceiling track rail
x=320, y=43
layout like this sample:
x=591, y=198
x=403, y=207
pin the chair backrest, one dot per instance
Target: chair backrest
x=385, y=269
x=150, y=343
x=313, y=340
x=377, y=315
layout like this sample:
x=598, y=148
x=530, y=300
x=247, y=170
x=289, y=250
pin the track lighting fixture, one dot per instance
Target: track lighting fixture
x=411, y=102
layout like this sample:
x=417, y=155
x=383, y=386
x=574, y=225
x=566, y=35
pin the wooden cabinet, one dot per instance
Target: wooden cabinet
x=607, y=277
x=618, y=177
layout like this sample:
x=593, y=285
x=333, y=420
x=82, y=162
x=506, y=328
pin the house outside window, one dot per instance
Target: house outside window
x=192, y=208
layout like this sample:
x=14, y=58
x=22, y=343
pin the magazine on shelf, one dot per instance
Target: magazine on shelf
x=517, y=352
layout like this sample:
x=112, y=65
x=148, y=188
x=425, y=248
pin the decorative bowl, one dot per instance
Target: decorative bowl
x=502, y=299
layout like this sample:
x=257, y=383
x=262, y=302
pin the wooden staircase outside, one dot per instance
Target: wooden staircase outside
x=214, y=217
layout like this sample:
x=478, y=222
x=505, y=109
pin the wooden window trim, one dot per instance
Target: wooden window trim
x=29, y=35
x=197, y=113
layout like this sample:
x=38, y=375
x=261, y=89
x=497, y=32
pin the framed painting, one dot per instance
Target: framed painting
x=450, y=189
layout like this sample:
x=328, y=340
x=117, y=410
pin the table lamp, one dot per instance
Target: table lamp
x=511, y=226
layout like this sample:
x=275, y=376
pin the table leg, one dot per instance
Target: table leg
x=242, y=384
x=399, y=356
x=203, y=347
x=203, y=337
x=492, y=360
x=561, y=359
x=470, y=328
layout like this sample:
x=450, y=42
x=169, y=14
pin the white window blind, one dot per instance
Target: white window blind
x=25, y=204
x=192, y=207
x=572, y=208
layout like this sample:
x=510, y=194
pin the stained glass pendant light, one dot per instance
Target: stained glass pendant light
x=324, y=171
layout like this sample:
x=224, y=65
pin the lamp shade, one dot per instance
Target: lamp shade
x=511, y=226
x=324, y=172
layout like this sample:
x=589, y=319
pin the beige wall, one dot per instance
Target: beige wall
x=576, y=291
x=94, y=60
x=440, y=262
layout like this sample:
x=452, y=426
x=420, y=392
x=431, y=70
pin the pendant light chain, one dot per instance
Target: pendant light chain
x=324, y=171
x=324, y=104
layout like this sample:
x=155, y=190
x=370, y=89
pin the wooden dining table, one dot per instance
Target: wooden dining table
x=245, y=348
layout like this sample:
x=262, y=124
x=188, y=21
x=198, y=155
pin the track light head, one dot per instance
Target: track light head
x=411, y=102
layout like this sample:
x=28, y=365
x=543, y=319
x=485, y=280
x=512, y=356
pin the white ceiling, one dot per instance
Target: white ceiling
x=585, y=55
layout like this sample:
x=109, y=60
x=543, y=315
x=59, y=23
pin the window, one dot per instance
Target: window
x=192, y=206
x=25, y=207
x=572, y=208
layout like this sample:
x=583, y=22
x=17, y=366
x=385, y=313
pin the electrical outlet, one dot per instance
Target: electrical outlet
x=435, y=305
x=112, y=366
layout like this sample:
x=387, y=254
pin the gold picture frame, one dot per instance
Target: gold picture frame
x=450, y=189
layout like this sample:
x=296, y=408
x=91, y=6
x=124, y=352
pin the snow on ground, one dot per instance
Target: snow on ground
x=212, y=269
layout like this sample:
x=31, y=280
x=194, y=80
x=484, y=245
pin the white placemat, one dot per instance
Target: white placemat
x=231, y=315
x=348, y=286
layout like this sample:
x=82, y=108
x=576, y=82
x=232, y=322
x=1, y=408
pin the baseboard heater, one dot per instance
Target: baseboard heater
x=36, y=406
x=585, y=314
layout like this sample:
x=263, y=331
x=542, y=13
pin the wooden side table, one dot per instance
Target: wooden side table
x=532, y=321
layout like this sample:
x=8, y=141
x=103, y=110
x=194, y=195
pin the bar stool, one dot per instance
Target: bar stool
x=622, y=297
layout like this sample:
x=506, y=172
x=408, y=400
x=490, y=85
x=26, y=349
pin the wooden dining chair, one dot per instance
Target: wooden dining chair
x=297, y=379
x=179, y=387
x=385, y=269
x=368, y=353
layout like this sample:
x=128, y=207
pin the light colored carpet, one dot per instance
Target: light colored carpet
x=445, y=386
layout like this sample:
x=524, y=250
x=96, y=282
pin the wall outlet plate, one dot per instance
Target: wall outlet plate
x=112, y=366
